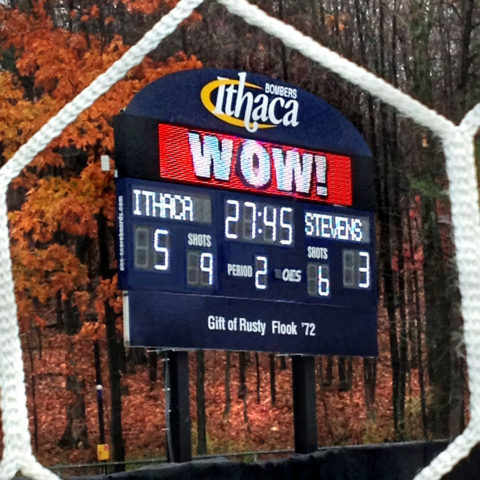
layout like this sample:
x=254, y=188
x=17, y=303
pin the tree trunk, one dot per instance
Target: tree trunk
x=437, y=320
x=75, y=434
x=99, y=386
x=418, y=329
x=201, y=413
x=116, y=431
x=273, y=388
x=320, y=371
x=114, y=353
x=283, y=49
x=343, y=385
x=329, y=372
x=465, y=54
x=369, y=380
x=152, y=367
x=242, y=383
x=398, y=198
x=71, y=318
x=34, y=391
x=228, y=397
x=257, y=367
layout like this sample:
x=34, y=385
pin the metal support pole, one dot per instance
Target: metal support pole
x=99, y=387
x=304, y=404
x=180, y=434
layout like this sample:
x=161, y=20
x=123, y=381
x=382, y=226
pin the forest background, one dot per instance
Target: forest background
x=62, y=211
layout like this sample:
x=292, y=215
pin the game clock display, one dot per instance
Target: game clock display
x=189, y=239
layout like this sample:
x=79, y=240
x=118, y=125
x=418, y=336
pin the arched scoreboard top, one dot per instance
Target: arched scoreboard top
x=239, y=106
x=314, y=124
x=245, y=222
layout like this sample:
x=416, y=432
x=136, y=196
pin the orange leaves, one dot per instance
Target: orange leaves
x=68, y=205
x=13, y=20
x=19, y=118
x=81, y=300
x=194, y=18
x=96, y=188
x=142, y=6
x=150, y=7
x=42, y=273
x=92, y=331
x=49, y=54
x=39, y=322
x=107, y=291
x=95, y=11
x=340, y=22
x=58, y=201
x=61, y=64
x=10, y=88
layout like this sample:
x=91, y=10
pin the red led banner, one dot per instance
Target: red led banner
x=199, y=157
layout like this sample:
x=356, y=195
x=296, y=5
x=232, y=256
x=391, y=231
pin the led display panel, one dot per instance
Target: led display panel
x=242, y=245
x=199, y=157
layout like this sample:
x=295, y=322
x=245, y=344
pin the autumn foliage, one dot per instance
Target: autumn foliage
x=63, y=192
x=62, y=206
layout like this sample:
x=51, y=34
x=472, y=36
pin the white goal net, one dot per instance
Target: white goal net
x=458, y=145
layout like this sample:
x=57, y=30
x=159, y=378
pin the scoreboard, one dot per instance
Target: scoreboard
x=233, y=239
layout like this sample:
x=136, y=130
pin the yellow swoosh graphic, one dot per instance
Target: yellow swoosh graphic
x=205, y=95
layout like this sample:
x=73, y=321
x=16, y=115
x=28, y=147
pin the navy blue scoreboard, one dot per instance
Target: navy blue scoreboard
x=244, y=219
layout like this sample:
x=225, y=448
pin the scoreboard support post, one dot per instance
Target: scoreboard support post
x=304, y=403
x=180, y=434
x=245, y=222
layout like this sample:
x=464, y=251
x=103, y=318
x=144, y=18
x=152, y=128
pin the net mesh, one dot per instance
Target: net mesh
x=458, y=145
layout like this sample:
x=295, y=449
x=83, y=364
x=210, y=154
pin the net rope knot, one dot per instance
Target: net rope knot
x=458, y=144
